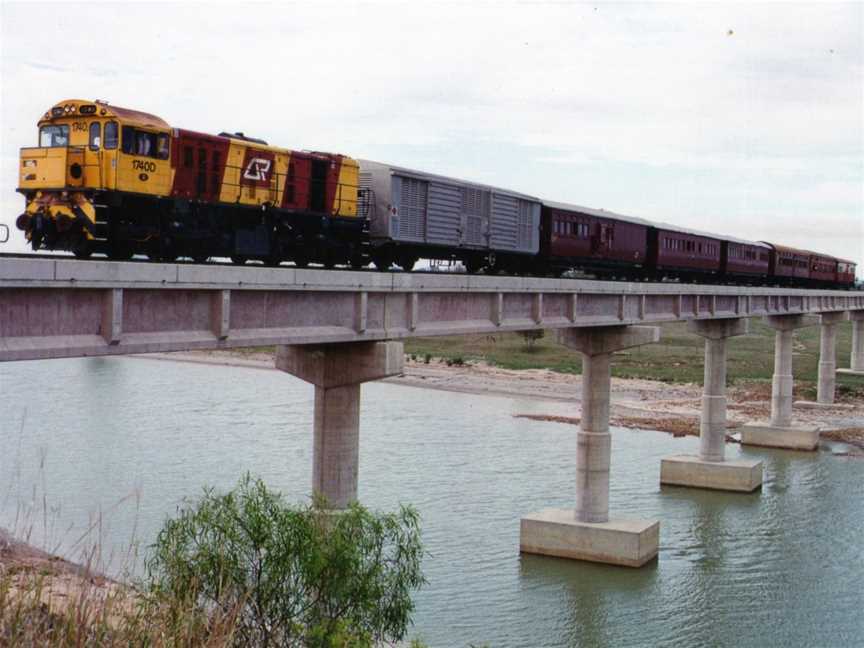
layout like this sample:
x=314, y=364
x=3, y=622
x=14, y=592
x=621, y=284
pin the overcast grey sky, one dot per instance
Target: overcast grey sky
x=739, y=118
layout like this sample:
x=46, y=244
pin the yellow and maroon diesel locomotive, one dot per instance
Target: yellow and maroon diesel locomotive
x=122, y=182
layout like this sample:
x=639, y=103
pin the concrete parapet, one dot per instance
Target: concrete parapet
x=337, y=370
x=742, y=475
x=557, y=532
x=772, y=436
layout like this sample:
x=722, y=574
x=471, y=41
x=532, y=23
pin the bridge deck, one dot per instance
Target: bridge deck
x=61, y=307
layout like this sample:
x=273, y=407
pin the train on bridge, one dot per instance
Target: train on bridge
x=121, y=182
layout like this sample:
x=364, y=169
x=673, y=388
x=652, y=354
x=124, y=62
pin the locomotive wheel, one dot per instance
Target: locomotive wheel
x=472, y=265
x=238, y=260
x=118, y=252
x=82, y=249
x=382, y=260
x=301, y=259
x=407, y=261
x=357, y=262
x=200, y=258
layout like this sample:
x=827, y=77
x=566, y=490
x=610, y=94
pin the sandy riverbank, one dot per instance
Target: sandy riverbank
x=642, y=404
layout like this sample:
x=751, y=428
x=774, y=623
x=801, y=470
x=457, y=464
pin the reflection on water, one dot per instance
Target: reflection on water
x=117, y=443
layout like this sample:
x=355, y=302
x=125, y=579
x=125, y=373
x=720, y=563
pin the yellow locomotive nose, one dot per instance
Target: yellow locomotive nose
x=58, y=220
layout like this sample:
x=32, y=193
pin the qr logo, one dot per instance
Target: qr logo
x=257, y=169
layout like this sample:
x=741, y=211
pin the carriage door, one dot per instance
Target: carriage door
x=606, y=234
x=318, y=185
x=476, y=205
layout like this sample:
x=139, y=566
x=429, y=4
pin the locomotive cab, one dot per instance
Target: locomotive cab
x=87, y=150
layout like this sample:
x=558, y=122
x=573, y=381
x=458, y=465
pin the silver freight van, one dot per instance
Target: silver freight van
x=415, y=215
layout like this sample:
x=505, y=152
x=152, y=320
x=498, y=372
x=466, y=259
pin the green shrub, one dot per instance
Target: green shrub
x=299, y=575
x=531, y=337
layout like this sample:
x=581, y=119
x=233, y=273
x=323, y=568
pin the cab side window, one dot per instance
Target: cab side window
x=110, y=135
x=143, y=143
x=95, y=136
x=162, y=147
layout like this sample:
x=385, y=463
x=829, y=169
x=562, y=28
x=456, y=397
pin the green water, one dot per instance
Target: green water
x=115, y=444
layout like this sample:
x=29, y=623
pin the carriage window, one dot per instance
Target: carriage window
x=110, y=135
x=53, y=136
x=95, y=136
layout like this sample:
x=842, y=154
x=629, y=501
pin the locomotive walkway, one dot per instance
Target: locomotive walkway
x=338, y=329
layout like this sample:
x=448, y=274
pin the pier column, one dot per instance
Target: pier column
x=856, y=362
x=828, y=357
x=779, y=432
x=710, y=469
x=585, y=532
x=337, y=371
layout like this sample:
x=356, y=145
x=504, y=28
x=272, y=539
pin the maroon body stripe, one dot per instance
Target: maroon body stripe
x=199, y=161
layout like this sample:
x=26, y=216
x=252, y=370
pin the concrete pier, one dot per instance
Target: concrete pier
x=710, y=469
x=856, y=362
x=337, y=371
x=586, y=532
x=857, y=359
x=828, y=357
x=780, y=433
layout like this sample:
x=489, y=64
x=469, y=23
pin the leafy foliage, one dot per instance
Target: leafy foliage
x=530, y=337
x=299, y=575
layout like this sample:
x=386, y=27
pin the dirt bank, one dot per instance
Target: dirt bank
x=57, y=583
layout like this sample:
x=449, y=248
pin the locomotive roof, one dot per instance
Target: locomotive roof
x=423, y=175
x=602, y=213
x=135, y=117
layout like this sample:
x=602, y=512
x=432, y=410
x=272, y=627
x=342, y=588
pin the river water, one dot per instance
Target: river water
x=112, y=445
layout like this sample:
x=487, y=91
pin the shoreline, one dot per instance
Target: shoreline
x=637, y=403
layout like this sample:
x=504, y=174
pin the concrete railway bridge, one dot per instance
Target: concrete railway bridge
x=337, y=330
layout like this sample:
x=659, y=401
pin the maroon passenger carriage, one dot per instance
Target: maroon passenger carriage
x=845, y=273
x=688, y=254
x=789, y=266
x=601, y=242
x=746, y=260
x=823, y=269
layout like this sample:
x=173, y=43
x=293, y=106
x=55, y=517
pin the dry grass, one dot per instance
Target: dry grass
x=63, y=610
